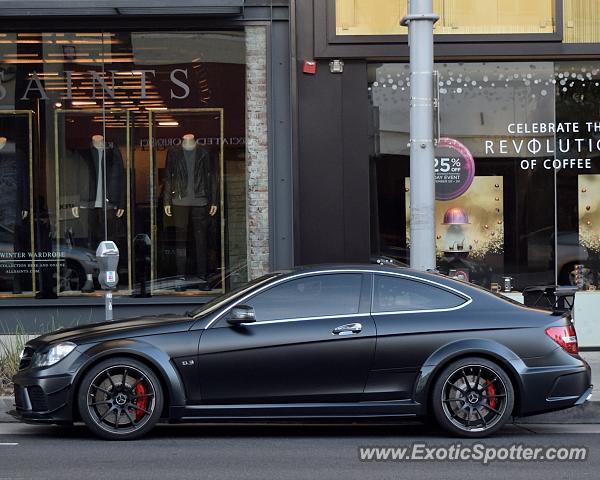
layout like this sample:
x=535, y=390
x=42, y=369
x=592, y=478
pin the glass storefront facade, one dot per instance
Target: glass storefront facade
x=517, y=161
x=134, y=136
x=517, y=170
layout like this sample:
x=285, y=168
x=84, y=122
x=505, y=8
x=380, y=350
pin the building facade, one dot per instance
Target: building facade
x=517, y=159
x=166, y=129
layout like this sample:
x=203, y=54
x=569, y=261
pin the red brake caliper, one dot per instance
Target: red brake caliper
x=491, y=392
x=141, y=401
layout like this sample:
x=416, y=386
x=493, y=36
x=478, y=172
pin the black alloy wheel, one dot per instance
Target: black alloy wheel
x=120, y=399
x=472, y=397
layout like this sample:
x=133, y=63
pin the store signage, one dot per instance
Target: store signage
x=201, y=141
x=454, y=169
x=107, y=84
x=551, y=146
x=21, y=262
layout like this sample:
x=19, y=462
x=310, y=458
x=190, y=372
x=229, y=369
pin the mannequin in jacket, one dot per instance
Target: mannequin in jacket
x=190, y=198
x=23, y=188
x=92, y=165
x=99, y=146
x=14, y=163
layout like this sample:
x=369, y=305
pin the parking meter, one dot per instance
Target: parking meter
x=107, y=255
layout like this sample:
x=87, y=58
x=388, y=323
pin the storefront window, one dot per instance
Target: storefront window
x=135, y=137
x=581, y=21
x=382, y=17
x=516, y=170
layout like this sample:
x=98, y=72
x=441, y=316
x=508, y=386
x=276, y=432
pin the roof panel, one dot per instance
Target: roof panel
x=11, y=8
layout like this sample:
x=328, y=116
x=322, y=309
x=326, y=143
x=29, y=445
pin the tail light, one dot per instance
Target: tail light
x=565, y=336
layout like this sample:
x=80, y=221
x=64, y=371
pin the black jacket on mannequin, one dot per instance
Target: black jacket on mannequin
x=176, y=178
x=87, y=181
x=15, y=180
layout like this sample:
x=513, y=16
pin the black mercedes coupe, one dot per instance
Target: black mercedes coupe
x=320, y=343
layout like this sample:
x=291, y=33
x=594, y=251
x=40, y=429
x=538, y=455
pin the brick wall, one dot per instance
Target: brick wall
x=235, y=181
x=257, y=165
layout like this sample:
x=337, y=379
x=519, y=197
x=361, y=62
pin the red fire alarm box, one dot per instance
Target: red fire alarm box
x=310, y=67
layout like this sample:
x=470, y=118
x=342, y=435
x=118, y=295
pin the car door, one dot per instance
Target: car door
x=313, y=341
x=413, y=318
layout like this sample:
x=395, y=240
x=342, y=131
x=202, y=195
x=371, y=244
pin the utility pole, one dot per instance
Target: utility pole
x=420, y=20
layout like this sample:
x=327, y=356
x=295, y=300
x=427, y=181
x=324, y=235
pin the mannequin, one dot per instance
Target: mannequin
x=96, y=199
x=190, y=197
x=99, y=144
x=3, y=140
x=14, y=209
x=188, y=143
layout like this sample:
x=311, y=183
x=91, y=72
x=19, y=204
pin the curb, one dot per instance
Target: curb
x=7, y=404
x=587, y=413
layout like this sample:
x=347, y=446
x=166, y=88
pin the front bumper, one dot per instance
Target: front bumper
x=43, y=399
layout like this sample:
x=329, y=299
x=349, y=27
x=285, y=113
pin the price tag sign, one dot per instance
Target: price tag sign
x=454, y=169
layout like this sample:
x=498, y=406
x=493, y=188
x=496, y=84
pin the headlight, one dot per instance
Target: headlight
x=55, y=354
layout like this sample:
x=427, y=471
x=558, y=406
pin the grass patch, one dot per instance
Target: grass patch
x=9, y=359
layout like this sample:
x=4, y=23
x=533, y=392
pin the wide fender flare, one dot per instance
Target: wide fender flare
x=444, y=355
x=145, y=352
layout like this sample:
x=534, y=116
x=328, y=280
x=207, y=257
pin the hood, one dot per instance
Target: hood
x=127, y=328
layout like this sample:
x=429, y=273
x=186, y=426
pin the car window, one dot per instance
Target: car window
x=392, y=294
x=221, y=300
x=312, y=296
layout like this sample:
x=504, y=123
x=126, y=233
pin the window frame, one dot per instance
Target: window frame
x=364, y=304
x=332, y=36
x=310, y=317
x=327, y=44
x=409, y=278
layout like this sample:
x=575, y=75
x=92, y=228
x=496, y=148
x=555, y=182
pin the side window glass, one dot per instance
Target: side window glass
x=313, y=296
x=393, y=294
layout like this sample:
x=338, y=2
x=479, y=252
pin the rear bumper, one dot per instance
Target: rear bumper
x=546, y=389
x=586, y=397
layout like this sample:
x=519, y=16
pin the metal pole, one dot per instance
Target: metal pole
x=108, y=305
x=420, y=20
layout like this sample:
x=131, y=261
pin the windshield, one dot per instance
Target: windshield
x=238, y=292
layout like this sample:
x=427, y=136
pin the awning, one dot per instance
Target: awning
x=62, y=8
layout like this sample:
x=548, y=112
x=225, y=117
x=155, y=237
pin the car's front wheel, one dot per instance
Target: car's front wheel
x=120, y=399
x=472, y=397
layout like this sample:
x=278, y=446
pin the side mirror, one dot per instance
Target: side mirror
x=241, y=314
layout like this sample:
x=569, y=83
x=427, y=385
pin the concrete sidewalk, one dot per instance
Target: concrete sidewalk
x=587, y=413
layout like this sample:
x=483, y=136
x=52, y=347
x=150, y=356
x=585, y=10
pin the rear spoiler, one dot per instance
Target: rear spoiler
x=557, y=298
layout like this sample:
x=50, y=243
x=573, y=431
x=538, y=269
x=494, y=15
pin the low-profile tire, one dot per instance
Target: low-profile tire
x=120, y=399
x=472, y=397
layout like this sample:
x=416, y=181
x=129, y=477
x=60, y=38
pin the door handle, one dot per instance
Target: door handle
x=348, y=329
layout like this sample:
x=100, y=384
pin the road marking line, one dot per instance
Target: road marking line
x=8, y=444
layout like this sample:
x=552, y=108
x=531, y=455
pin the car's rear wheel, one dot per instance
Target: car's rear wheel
x=472, y=397
x=120, y=399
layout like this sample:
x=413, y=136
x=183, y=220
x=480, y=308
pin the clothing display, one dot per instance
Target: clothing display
x=14, y=200
x=191, y=190
x=87, y=195
x=89, y=178
x=195, y=219
x=189, y=180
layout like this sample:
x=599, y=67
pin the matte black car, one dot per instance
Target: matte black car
x=319, y=343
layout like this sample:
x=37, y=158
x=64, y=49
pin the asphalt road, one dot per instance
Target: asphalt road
x=277, y=452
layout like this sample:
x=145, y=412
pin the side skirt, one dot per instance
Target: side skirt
x=297, y=411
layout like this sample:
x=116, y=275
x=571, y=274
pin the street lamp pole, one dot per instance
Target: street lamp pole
x=420, y=20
